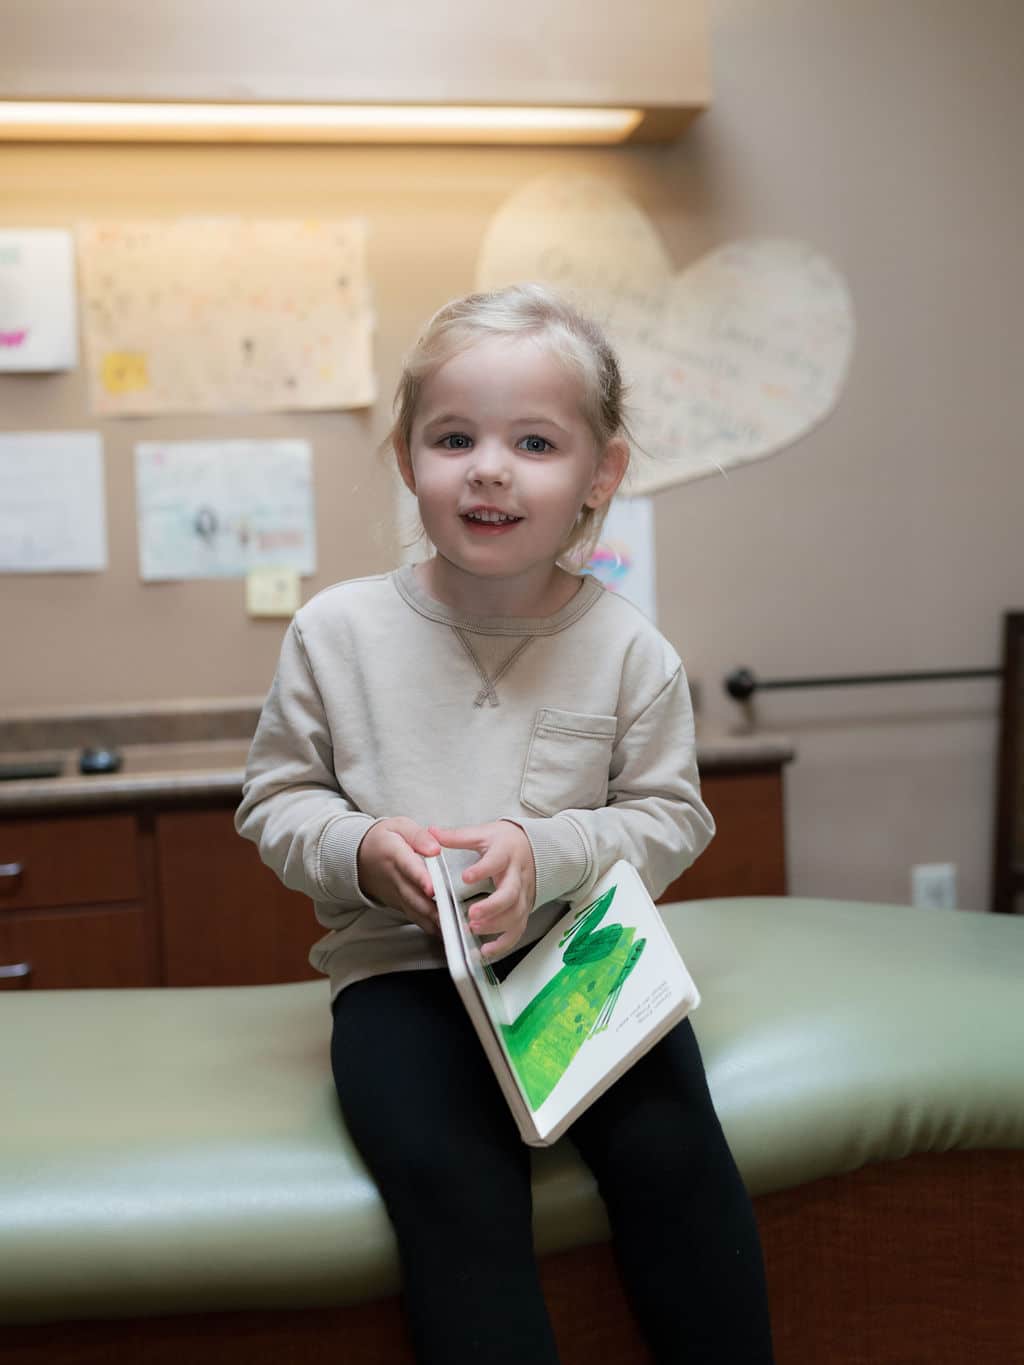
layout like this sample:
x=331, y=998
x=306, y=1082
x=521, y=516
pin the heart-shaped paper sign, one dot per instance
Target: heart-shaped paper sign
x=728, y=361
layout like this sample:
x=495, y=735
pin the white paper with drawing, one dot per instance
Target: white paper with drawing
x=52, y=506
x=216, y=509
x=226, y=315
x=624, y=559
x=38, y=319
x=728, y=360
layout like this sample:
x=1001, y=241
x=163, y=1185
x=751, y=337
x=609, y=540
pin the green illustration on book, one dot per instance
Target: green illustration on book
x=574, y=1031
x=577, y=1003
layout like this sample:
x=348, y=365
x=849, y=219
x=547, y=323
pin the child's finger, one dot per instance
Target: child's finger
x=472, y=836
x=494, y=863
x=507, y=941
x=421, y=840
x=484, y=914
x=414, y=870
x=419, y=908
x=422, y=922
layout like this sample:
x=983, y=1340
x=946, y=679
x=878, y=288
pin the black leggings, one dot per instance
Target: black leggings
x=426, y=1113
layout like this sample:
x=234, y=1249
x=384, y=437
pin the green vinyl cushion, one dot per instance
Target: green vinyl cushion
x=182, y=1150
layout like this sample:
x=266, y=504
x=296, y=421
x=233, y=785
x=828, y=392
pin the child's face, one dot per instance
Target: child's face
x=499, y=433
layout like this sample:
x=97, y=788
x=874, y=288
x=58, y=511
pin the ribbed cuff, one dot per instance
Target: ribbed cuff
x=337, y=870
x=561, y=856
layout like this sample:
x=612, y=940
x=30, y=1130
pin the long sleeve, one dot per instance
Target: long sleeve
x=292, y=806
x=654, y=816
x=585, y=740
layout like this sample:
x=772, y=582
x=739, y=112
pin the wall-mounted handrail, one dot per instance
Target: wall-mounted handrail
x=742, y=683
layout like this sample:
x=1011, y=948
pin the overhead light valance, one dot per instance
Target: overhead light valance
x=107, y=121
x=557, y=71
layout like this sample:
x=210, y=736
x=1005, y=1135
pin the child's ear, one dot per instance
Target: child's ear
x=405, y=463
x=610, y=472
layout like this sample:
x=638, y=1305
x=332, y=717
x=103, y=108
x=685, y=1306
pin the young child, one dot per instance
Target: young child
x=499, y=705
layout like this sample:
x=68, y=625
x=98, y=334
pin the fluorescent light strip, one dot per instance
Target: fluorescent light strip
x=60, y=121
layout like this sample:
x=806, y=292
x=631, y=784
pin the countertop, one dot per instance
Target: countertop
x=173, y=772
x=149, y=773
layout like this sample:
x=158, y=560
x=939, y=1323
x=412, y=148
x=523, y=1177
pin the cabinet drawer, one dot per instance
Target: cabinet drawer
x=76, y=860
x=72, y=949
x=227, y=920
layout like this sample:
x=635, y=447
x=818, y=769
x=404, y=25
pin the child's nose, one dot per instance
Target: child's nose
x=491, y=463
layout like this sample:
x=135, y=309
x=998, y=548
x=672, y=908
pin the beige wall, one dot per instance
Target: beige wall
x=887, y=134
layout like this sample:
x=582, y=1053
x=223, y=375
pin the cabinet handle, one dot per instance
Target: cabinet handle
x=18, y=972
x=10, y=876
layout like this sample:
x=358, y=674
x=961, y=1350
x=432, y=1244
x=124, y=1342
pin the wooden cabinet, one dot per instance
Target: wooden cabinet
x=226, y=919
x=170, y=895
x=747, y=856
x=73, y=908
x=76, y=947
x=68, y=860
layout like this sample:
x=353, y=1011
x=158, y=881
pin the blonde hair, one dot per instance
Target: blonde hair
x=522, y=310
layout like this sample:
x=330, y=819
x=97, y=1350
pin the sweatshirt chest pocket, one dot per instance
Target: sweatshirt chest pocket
x=567, y=762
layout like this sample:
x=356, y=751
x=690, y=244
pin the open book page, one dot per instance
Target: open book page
x=592, y=996
x=599, y=989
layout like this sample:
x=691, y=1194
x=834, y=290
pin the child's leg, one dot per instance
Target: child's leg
x=683, y=1226
x=426, y=1113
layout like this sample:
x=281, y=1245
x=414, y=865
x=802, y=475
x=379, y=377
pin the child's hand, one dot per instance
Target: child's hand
x=507, y=858
x=391, y=869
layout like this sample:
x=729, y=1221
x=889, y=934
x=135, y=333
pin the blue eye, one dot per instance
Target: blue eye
x=536, y=445
x=456, y=440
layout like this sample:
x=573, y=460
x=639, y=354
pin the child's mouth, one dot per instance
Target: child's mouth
x=489, y=523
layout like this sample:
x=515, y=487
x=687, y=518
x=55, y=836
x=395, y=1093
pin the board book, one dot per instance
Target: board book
x=602, y=986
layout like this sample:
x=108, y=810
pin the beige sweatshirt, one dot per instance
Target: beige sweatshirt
x=576, y=726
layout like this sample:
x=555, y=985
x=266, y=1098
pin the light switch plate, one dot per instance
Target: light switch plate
x=272, y=592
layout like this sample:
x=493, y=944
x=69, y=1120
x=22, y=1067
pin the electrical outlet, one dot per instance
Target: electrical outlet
x=933, y=886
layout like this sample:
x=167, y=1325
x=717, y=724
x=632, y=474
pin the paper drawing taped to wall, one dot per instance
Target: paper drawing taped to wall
x=226, y=315
x=38, y=321
x=623, y=559
x=53, y=516
x=729, y=360
x=216, y=509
